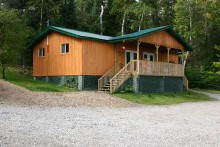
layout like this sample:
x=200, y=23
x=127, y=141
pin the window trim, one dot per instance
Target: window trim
x=61, y=48
x=39, y=52
x=149, y=54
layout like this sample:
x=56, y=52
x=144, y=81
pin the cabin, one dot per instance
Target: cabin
x=146, y=61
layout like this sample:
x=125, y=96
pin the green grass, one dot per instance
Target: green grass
x=15, y=76
x=164, y=98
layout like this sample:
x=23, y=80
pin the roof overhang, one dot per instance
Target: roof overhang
x=108, y=39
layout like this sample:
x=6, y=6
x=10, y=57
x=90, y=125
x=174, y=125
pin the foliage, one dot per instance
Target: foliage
x=71, y=83
x=11, y=38
x=163, y=99
x=15, y=76
x=217, y=64
x=68, y=14
x=129, y=89
x=198, y=78
x=197, y=21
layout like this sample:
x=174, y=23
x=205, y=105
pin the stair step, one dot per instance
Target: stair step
x=106, y=87
x=106, y=90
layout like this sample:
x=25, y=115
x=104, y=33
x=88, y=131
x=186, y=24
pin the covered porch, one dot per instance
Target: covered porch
x=157, y=54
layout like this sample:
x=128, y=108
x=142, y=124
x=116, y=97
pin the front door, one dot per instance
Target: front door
x=148, y=56
x=130, y=55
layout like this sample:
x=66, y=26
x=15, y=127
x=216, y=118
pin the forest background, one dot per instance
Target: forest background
x=198, y=21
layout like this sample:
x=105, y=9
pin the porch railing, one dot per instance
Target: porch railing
x=107, y=76
x=160, y=69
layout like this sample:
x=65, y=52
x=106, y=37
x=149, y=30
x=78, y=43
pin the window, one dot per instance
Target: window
x=41, y=52
x=64, y=48
x=148, y=56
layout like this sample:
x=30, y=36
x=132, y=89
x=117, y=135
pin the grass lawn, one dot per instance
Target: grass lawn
x=15, y=76
x=165, y=98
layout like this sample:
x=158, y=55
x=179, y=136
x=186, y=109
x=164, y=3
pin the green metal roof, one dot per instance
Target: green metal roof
x=110, y=39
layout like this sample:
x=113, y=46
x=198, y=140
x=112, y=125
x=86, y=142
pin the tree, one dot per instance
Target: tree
x=11, y=38
x=122, y=7
x=216, y=64
x=68, y=14
x=141, y=12
x=44, y=12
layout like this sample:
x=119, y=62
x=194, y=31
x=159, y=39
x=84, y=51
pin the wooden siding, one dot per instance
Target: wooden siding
x=162, y=38
x=54, y=63
x=98, y=57
x=87, y=57
x=162, y=54
x=40, y=63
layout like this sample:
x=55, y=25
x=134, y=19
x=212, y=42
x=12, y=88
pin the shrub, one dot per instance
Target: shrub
x=129, y=89
x=202, y=79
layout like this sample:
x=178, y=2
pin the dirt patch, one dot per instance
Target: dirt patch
x=15, y=95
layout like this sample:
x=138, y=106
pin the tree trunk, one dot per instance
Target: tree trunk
x=123, y=24
x=41, y=15
x=23, y=64
x=142, y=16
x=101, y=17
x=3, y=69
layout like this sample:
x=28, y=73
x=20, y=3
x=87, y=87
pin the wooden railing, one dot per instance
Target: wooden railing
x=185, y=82
x=160, y=69
x=107, y=76
x=123, y=75
x=117, y=76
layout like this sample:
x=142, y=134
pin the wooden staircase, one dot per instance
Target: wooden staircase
x=111, y=84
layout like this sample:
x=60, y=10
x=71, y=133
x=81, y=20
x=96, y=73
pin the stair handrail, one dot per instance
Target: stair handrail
x=121, y=71
x=114, y=70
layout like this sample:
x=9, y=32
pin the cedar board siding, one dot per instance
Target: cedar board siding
x=98, y=57
x=54, y=63
x=87, y=57
x=162, y=54
x=162, y=38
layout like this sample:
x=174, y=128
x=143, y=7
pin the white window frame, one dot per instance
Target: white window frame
x=65, y=50
x=132, y=55
x=40, y=53
x=148, y=55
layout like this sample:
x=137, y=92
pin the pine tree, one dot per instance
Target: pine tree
x=68, y=14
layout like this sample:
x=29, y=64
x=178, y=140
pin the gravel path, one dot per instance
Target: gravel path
x=212, y=95
x=190, y=124
x=15, y=95
x=26, y=124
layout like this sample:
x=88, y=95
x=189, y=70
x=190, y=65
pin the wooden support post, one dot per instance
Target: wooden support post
x=138, y=55
x=168, y=59
x=168, y=54
x=157, y=48
x=182, y=57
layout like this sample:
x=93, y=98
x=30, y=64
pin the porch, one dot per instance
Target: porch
x=158, y=54
x=116, y=76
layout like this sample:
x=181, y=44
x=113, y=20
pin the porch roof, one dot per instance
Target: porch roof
x=110, y=39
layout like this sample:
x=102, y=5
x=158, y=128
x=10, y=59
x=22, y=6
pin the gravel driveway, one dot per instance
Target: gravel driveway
x=189, y=124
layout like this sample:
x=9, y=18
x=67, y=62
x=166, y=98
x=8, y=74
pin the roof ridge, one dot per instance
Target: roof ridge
x=109, y=39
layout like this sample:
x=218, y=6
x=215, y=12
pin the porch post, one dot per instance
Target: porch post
x=182, y=57
x=138, y=56
x=157, y=47
x=168, y=54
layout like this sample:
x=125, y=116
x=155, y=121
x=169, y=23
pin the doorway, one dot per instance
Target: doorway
x=130, y=55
